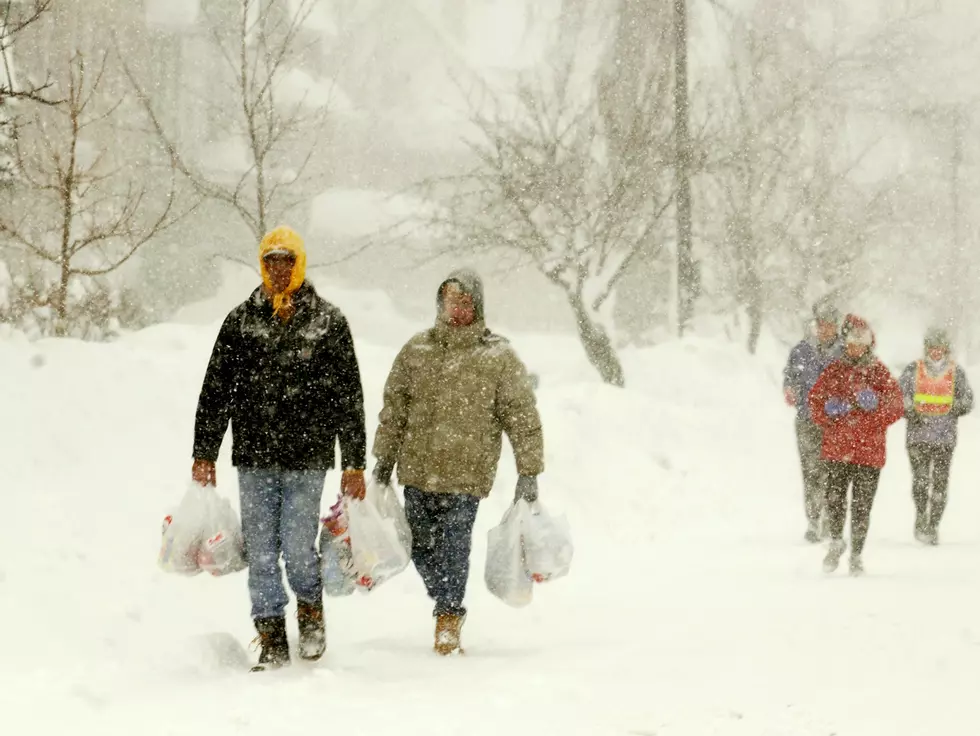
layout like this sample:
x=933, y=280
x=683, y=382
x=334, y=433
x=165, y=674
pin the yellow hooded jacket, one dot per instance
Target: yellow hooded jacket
x=283, y=238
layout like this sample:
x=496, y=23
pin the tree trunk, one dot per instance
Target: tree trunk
x=76, y=104
x=687, y=272
x=598, y=347
x=755, y=321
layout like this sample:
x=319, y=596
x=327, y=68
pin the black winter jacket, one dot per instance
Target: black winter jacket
x=290, y=390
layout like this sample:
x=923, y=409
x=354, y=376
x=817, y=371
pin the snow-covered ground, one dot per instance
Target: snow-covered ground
x=693, y=607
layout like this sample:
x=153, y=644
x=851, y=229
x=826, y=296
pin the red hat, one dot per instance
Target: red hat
x=856, y=330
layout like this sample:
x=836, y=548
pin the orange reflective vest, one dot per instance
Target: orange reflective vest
x=934, y=394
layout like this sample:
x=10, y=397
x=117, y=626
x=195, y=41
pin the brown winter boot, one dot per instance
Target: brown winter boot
x=312, y=630
x=448, y=630
x=275, y=646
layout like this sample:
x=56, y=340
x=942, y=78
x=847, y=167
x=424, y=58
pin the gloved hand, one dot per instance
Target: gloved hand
x=527, y=489
x=203, y=473
x=383, y=471
x=910, y=412
x=867, y=399
x=790, y=396
x=352, y=484
x=836, y=408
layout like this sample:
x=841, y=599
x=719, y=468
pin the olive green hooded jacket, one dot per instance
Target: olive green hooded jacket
x=451, y=394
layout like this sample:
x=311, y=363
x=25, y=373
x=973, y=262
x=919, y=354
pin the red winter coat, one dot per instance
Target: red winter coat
x=858, y=437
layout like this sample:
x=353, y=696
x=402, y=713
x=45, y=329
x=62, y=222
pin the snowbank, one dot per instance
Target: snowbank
x=693, y=606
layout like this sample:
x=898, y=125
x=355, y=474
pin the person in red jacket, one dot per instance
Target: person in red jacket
x=855, y=400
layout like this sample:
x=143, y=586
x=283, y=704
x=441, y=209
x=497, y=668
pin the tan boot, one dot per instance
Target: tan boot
x=448, y=630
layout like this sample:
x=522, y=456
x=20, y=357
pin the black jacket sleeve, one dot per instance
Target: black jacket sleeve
x=214, y=403
x=348, y=394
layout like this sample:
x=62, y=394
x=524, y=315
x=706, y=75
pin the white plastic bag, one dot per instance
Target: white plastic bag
x=547, y=544
x=386, y=501
x=222, y=544
x=202, y=535
x=336, y=562
x=506, y=572
x=183, y=531
x=378, y=550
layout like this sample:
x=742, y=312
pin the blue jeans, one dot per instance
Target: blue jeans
x=281, y=514
x=442, y=536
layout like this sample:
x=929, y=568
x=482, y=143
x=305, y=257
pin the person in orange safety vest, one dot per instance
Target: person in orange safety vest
x=937, y=394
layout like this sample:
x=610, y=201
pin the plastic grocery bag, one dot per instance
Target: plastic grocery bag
x=386, y=501
x=336, y=559
x=204, y=534
x=222, y=545
x=378, y=550
x=547, y=544
x=506, y=572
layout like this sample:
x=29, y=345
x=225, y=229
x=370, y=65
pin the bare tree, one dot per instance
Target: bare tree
x=688, y=283
x=555, y=183
x=788, y=216
x=280, y=135
x=87, y=215
x=15, y=17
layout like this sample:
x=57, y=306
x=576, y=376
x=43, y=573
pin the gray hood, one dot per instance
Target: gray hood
x=471, y=283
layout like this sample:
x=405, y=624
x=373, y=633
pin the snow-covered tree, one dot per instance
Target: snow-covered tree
x=570, y=188
x=77, y=211
x=787, y=219
x=270, y=133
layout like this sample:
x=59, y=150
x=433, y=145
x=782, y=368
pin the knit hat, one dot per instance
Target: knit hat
x=936, y=337
x=856, y=331
x=469, y=282
x=825, y=311
x=283, y=241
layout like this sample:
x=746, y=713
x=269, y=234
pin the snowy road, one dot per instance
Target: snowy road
x=694, y=607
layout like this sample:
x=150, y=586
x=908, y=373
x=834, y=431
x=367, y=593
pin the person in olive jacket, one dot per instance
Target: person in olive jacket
x=452, y=393
x=284, y=373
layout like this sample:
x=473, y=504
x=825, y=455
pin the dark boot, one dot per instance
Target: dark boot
x=312, y=630
x=275, y=647
x=922, y=528
x=834, y=553
x=448, y=631
x=812, y=533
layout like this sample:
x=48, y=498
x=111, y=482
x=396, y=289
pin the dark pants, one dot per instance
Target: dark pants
x=809, y=439
x=930, y=480
x=842, y=476
x=442, y=536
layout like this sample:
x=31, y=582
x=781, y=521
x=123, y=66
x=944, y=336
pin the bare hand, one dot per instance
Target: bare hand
x=352, y=484
x=203, y=473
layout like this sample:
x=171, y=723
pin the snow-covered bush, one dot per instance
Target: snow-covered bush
x=97, y=310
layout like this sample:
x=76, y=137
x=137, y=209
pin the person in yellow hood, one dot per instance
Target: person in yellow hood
x=284, y=374
x=282, y=258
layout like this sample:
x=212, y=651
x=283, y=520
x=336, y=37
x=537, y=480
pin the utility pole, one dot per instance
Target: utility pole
x=959, y=263
x=687, y=274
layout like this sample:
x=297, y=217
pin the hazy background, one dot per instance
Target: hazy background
x=835, y=150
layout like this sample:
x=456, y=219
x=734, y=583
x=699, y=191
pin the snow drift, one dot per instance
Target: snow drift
x=693, y=606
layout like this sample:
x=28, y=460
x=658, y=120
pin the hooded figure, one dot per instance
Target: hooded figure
x=856, y=400
x=452, y=393
x=806, y=362
x=284, y=374
x=937, y=393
